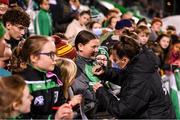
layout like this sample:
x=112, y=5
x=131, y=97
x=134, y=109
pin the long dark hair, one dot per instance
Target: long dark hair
x=84, y=37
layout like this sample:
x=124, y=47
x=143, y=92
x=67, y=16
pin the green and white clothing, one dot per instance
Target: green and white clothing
x=43, y=23
x=46, y=91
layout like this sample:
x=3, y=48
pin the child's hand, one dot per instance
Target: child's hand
x=64, y=112
x=75, y=100
x=97, y=86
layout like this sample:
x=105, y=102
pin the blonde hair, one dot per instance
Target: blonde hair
x=68, y=73
x=11, y=90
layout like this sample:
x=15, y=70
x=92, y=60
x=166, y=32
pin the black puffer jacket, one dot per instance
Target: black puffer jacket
x=142, y=95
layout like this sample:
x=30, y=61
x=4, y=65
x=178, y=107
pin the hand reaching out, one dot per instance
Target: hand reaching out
x=75, y=100
x=64, y=112
x=97, y=70
x=97, y=86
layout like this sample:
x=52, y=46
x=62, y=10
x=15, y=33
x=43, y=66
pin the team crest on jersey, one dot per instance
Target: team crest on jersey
x=39, y=101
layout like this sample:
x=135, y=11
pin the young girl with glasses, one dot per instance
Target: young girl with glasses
x=43, y=79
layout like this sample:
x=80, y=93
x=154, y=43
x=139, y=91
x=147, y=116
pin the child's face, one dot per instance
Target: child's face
x=113, y=22
x=101, y=59
x=164, y=42
x=45, y=5
x=3, y=8
x=25, y=106
x=96, y=26
x=176, y=48
x=46, y=59
x=84, y=19
x=156, y=26
x=90, y=49
x=143, y=38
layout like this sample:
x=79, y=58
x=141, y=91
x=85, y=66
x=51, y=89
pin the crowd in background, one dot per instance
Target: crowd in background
x=58, y=62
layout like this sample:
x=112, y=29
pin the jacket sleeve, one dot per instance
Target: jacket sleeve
x=42, y=24
x=133, y=99
x=81, y=86
x=113, y=75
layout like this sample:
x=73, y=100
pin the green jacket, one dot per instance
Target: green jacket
x=43, y=23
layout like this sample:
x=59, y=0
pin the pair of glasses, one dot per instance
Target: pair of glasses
x=49, y=54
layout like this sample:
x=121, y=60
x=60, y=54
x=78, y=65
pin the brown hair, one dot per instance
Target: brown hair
x=114, y=10
x=91, y=24
x=156, y=20
x=164, y=35
x=68, y=73
x=156, y=48
x=142, y=29
x=16, y=62
x=85, y=12
x=39, y=2
x=16, y=16
x=11, y=90
x=141, y=21
x=128, y=46
x=161, y=36
x=32, y=45
x=84, y=37
x=110, y=20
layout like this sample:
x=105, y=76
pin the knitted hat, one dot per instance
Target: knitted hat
x=123, y=23
x=4, y=1
x=102, y=51
x=64, y=49
x=2, y=30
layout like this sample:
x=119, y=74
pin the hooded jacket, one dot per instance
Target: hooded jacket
x=142, y=95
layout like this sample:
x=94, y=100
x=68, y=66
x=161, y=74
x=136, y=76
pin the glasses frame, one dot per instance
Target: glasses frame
x=49, y=54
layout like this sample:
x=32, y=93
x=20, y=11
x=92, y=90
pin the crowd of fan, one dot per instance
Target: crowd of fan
x=58, y=62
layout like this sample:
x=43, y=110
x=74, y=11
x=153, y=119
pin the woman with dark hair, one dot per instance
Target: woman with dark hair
x=142, y=95
x=164, y=41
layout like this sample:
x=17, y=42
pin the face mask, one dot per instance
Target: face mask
x=97, y=31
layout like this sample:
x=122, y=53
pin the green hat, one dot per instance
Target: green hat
x=2, y=30
x=102, y=51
